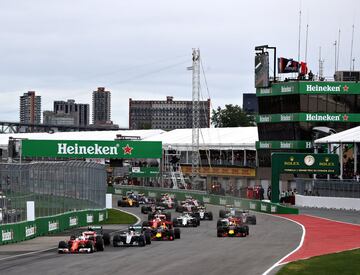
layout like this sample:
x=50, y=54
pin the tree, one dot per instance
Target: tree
x=231, y=116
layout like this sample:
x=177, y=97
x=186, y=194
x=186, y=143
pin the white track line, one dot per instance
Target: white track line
x=28, y=253
x=296, y=249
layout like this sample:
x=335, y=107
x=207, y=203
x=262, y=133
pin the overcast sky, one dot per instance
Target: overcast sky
x=140, y=49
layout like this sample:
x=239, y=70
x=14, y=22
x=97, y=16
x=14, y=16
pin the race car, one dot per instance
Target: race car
x=87, y=242
x=231, y=211
x=163, y=231
x=159, y=214
x=152, y=208
x=167, y=201
x=128, y=201
x=134, y=236
x=99, y=232
x=186, y=220
x=232, y=227
x=202, y=214
x=188, y=205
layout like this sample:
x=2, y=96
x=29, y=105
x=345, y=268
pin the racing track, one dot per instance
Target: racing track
x=198, y=251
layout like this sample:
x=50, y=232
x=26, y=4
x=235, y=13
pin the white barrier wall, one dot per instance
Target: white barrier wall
x=108, y=201
x=327, y=202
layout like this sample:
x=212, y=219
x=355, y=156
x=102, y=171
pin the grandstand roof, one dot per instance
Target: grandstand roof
x=347, y=136
x=213, y=138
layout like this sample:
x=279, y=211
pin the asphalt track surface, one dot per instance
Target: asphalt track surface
x=199, y=251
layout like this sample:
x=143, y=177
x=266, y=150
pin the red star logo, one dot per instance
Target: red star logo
x=127, y=149
x=345, y=117
x=345, y=88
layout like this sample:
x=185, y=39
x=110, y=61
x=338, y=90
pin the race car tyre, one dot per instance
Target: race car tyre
x=106, y=238
x=141, y=241
x=72, y=237
x=179, y=209
x=222, y=213
x=251, y=220
x=119, y=203
x=247, y=230
x=144, y=209
x=145, y=224
x=168, y=216
x=219, y=223
x=99, y=244
x=150, y=216
x=171, y=235
x=116, y=239
x=175, y=222
x=219, y=232
x=147, y=238
x=210, y=215
x=90, y=245
x=198, y=222
x=62, y=244
x=177, y=233
x=137, y=204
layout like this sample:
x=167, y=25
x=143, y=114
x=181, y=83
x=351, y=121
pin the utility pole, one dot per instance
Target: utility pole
x=195, y=114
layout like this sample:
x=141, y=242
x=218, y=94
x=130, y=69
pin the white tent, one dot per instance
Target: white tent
x=348, y=136
x=234, y=138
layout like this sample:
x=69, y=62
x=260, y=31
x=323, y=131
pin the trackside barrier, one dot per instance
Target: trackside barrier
x=16, y=232
x=255, y=205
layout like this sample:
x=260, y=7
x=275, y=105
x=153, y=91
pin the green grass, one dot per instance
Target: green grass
x=119, y=217
x=343, y=263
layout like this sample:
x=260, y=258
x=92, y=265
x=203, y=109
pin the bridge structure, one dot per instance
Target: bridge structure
x=7, y=127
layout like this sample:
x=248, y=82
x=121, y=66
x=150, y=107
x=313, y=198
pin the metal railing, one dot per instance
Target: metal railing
x=328, y=188
x=55, y=187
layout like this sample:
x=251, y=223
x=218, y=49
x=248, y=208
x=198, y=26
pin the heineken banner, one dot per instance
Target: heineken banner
x=144, y=172
x=286, y=144
x=308, y=117
x=91, y=149
x=310, y=87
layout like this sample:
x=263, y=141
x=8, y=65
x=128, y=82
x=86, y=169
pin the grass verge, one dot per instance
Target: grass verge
x=119, y=217
x=343, y=263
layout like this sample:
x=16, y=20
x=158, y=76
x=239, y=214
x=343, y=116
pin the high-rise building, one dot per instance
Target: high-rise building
x=101, y=101
x=166, y=114
x=79, y=111
x=30, y=108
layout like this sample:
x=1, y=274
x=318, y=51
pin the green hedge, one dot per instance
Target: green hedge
x=255, y=205
x=16, y=232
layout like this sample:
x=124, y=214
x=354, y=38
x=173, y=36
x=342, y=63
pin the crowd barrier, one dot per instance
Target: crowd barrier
x=255, y=205
x=328, y=202
x=16, y=232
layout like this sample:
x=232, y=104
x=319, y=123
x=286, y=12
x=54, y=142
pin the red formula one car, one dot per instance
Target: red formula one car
x=87, y=242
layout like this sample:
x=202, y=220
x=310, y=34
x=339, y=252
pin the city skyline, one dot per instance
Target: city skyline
x=141, y=50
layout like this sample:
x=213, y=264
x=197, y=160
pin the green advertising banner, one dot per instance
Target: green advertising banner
x=284, y=144
x=310, y=87
x=308, y=117
x=91, y=149
x=144, y=172
x=298, y=163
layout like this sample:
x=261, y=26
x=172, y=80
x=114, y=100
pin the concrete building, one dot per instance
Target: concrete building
x=101, y=101
x=77, y=110
x=30, y=108
x=166, y=114
x=52, y=118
